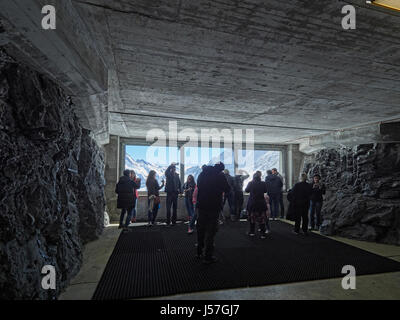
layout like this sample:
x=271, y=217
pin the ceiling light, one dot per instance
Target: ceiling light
x=389, y=4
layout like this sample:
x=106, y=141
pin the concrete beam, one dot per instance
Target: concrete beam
x=388, y=132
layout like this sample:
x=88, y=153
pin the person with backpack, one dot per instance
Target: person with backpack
x=126, y=201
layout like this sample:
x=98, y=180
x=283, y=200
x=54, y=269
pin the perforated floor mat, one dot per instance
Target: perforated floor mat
x=160, y=261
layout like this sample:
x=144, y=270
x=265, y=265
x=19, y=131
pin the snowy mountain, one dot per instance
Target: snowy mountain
x=142, y=169
x=263, y=161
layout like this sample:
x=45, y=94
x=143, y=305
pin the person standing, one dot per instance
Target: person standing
x=318, y=190
x=281, y=204
x=126, y=190
x=230, y=196
x=173, y=189
x=153, y=197
x=211, y=184
x=274, y=187
x=301, y=199
x=257, y=206
x=188, y=189
x=238, y=192
x=133, y=213
x=192, y=222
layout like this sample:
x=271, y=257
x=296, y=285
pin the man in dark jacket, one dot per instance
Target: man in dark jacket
x=173, y=188
x=211, y=184
x=318, y=190
x=274, y=187
x=126, y=190
x=301, y=198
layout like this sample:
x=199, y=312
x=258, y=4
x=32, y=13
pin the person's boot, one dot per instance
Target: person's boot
x=252, y=230
x=210, y=260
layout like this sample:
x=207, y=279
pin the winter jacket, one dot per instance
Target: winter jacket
x=189, y=187
x=173, y=183
x=211, y=184
x=257, y=189
x=126, y=190
x=318, y=190
x=302, y=194
x=274, y=184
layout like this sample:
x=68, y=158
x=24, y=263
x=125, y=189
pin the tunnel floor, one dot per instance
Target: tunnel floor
x=161, y=261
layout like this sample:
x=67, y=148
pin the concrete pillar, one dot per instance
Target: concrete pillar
x=111, y=174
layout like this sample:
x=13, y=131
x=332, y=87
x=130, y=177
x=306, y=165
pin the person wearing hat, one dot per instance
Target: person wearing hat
x=318, y=190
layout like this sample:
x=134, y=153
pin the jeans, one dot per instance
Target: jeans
x=128, y=212
x=189, y=207
x=152, y=212
x=238, y=204
x=172, y=200
x=193, y=220
x=274, y=203
x=207, y=227
x=133, y=213
x=315, y=210
x=231, y=202
x=301, y=213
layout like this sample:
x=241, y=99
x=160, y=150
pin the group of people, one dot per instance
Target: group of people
x=205, y=201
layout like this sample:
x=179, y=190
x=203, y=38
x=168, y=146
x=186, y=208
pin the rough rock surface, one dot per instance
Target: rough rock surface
x=363, y=198
x=51, y=184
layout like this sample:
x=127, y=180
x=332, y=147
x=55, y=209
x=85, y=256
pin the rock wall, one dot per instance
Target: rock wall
x=51, y=184
x=363, y=198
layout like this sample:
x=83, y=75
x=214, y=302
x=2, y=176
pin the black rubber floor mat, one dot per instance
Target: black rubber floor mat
x=160, y=261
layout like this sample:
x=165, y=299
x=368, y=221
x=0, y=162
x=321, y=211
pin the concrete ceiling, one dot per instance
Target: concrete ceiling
x=285, y=68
